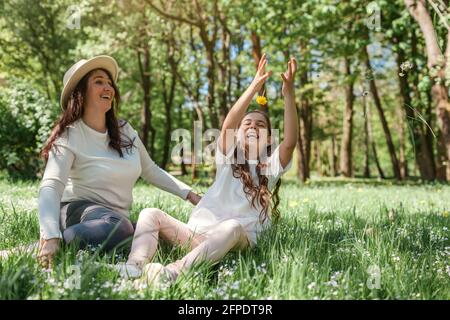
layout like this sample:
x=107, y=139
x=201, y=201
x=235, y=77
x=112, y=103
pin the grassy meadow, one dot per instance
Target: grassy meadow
x=337, y=239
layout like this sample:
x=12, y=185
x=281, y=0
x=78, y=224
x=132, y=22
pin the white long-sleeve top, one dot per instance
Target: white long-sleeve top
x=84, y=167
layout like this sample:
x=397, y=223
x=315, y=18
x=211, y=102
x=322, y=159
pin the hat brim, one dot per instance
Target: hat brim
x=99, y=62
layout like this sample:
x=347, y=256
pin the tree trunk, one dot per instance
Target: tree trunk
x=211, y=65
x=441, y=159
x=305, y=123
x=257, y=54
x=193, y=153
x=384, y=124
x=372, y=142
x=318, y=158
x=422, y=150
x=402, y=153
x=224, y=68
x=240, y=48
x=366, y=137
x=428, y=133
x=401, y=113
x=347, y=124
x=180, y=125
x=333, y=157
x=146, y=115
x=436, y=62
x=168, y=96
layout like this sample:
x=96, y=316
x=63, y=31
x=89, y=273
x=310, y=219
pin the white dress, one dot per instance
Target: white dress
x=226, y=199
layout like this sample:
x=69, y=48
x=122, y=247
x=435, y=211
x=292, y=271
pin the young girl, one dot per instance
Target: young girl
x=236, y=207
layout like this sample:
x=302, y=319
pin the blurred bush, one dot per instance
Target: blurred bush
x=26, y=119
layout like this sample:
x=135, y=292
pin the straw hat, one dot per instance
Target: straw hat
x=83, y=67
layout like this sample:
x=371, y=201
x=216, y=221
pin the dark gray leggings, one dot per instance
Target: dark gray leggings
x=88, y=223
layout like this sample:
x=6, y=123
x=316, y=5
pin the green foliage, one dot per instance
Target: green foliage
x=26, y=119
x=35, y=41
x=37, y=46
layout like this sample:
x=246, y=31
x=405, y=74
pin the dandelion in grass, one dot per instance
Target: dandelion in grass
x=369, y=232
x=392, y=215
x=293, y=204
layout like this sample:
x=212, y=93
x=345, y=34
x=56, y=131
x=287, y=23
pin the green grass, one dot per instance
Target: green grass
x=331, y=234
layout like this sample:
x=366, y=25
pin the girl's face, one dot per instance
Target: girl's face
x=100, y=92
x=254, y=132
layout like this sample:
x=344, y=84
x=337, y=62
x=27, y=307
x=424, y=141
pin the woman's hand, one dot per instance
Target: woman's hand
x=193, y=198
x=288, y=77
x=47, y=251
x=261, y=74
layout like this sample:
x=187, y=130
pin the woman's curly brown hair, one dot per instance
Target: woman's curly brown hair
x=258, y=194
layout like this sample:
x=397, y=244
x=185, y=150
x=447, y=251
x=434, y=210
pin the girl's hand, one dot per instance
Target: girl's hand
x=288, y=77
x=193, y=198
x=47, y=251
x=261, y=74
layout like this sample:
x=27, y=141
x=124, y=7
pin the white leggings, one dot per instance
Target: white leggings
x=154, y=224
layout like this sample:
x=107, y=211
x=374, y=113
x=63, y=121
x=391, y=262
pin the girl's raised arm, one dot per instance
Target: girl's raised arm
x=238, y=110
x=289, y=142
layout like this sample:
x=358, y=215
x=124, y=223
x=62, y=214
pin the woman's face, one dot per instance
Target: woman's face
x=100, y=92
x=254, y=132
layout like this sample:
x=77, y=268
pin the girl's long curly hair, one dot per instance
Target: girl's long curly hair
x=74, y=111
x=258, y=194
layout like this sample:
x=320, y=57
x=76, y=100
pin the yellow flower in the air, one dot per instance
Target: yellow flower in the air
x=445, y=214
x=261, y=100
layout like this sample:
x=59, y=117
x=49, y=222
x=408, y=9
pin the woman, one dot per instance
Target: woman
x=93, y=161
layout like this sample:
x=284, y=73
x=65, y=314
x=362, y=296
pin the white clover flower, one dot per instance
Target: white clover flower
x=333, y=283
x=235, y=285
x=447, y=251
x=311, y=286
